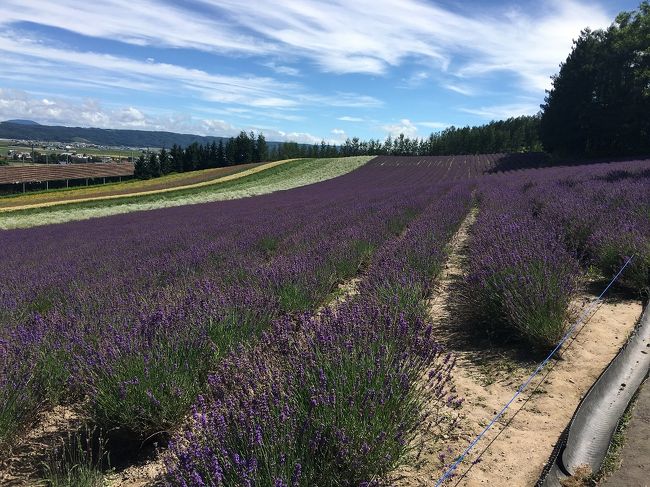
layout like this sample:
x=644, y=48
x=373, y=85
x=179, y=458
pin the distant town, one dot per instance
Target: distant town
x=24, y=151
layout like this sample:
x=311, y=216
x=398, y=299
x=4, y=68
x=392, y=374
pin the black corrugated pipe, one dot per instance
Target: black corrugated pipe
x=589, y=434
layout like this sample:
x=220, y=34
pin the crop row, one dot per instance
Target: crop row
x=133, y=311
x=136, y=316
x=537, y=235
x=334, y=399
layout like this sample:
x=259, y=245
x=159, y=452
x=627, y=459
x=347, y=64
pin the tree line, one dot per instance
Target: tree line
x=599, y=104
x=519, y=134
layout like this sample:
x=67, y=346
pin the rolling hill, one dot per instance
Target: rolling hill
x=28, y=130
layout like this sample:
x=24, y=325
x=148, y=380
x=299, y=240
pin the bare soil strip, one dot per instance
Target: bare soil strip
x=515, y=450
x=19, y=466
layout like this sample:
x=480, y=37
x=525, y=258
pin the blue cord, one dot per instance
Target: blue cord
x=451, y=469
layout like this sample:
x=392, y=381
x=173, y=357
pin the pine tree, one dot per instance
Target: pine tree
x=176, y=154
x=221, y=155
x=261, y=149
x=154, y=165
x=141, y=168
x=165, y=161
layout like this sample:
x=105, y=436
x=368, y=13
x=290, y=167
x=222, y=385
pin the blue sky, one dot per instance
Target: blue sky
x=298, y=70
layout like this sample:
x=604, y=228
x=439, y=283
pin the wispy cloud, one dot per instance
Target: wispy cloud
x=415, y=80
x=281, y=69
x=283, y=61
x=499, y=112
x=365, y=36
x=463, y=90
x=118, y=72
x=351, y=119
x=28, y=58
x=368, y=37
x=142, y=22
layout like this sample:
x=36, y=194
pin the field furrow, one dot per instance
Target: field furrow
x=303, y=336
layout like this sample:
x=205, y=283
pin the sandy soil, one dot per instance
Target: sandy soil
x=538, y=417
x=21, y=464
x=515, y=450
x=145, y=473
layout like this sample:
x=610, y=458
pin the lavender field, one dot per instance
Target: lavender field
x=223, y=331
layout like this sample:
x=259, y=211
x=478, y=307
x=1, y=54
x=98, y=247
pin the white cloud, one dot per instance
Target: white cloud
x=533, y=47
x=371, y=36
x=300, y=137
x=365, y=36
x=18, y=104
x=142, y=23
x=219, y=127
x=343, y=99
x=90, y=113
x=27, y=58
x=118, y=71
x=415, y=80
x=131, y=117
x=339, y=136
x=405, y=126
x=350, y=119
x=447, y=46
x=500, y=112
x=280, y=69
x=463, y=90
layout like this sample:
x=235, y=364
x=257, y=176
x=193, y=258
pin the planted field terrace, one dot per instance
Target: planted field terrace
x=262, y=179
x=122, y=188
x=290, y=338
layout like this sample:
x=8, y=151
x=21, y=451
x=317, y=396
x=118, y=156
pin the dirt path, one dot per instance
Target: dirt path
x=487, y=378
x=19, y=466
x=635, y=457
x=218, y=174
x=537, y=419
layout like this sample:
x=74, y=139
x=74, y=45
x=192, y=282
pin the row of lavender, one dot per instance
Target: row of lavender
x=133, y=311
x=538, y=232
x=334, y=399
x=137, y=312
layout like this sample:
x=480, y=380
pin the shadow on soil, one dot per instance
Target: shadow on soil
x=497, y=354
x=72, y=442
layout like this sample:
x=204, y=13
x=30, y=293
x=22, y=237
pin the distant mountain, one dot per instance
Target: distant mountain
x=27, y=130
x=19, y=121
